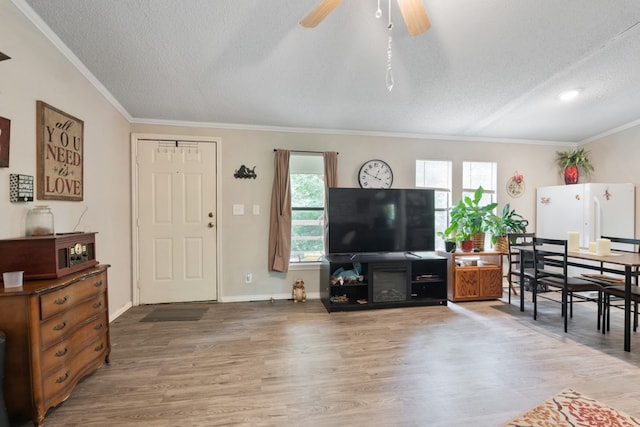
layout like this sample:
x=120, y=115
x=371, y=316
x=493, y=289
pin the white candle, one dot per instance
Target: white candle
x=592, y=247
x=603, y=247
x=573, y=241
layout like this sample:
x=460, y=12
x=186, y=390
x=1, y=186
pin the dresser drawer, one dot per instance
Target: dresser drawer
x=65, y=350
x=58, y=301
x=68, y=375
x=65, y=324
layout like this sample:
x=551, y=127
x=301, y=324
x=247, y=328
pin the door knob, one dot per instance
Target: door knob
x=210, y=214
x=210, y=225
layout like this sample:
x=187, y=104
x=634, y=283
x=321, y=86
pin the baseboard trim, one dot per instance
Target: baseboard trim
x=113, y=316
x=277, y=297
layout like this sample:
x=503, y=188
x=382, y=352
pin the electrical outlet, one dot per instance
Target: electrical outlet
x=248, y=277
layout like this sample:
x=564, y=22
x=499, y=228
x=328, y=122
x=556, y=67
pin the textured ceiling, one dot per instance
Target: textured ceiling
x=486, y=69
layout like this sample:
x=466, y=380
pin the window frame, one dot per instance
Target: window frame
x=307, y=164
x=448, y=191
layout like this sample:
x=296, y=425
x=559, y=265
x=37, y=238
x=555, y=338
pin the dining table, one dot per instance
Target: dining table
x=620, y=263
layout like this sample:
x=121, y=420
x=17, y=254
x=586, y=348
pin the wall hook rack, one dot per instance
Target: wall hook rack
x=245, y=172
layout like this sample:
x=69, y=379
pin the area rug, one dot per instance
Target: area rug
x=572, y=409
x=175, y=314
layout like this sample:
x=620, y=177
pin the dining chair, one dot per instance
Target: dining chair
x=613, y=286
x=550, y=270
x=515, y=264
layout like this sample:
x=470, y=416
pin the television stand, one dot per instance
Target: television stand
x=396, y=279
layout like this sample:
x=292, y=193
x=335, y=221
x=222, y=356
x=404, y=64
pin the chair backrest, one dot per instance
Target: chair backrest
x=518, y=240
x=550, y=257
x=624, y=244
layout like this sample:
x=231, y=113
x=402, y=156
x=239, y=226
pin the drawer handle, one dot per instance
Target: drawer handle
x=61, y=353
x=98, y=283
x=98, y=304
x=63, y=378
x=98, y=326
x=61, y=301
x=100, y=347
x=60, y=326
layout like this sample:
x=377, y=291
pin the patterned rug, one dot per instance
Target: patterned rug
x=572, y=409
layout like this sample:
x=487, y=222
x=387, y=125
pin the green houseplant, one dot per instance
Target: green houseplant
x=571, y=162
x=470, y=219
x=449, y=240
x=509, y=221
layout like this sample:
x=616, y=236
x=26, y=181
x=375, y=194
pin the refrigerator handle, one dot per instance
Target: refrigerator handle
x=596, y=217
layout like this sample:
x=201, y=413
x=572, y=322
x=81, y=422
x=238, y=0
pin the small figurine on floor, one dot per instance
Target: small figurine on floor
x=299, y=293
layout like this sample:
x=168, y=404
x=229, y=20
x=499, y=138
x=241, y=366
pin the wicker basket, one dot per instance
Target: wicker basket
x=478, y=241
x=502, y=245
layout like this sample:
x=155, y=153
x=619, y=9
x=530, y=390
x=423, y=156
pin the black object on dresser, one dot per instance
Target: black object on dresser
x=384, y=280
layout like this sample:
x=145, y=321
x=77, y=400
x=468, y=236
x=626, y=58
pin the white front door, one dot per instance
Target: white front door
x=176, y=221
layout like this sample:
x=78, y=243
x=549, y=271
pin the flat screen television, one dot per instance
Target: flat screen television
x=375, y=220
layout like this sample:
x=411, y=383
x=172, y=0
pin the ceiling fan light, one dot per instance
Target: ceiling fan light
x=569, y=95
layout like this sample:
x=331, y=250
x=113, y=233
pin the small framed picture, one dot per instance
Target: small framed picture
x=5, y=131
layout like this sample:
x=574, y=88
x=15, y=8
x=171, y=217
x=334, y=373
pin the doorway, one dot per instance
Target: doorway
x=175, y=220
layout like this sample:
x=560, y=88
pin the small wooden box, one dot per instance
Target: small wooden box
x=48, y=257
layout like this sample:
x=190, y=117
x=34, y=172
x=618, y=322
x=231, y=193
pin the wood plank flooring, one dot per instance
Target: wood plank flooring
x=286, y=364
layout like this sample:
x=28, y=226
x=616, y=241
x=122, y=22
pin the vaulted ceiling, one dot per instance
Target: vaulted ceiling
x=486, y=69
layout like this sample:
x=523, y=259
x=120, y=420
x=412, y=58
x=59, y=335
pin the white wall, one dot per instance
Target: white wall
x=38, y=71
x=244, y=238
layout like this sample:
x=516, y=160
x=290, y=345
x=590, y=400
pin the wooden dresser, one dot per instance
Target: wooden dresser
x=57, y=333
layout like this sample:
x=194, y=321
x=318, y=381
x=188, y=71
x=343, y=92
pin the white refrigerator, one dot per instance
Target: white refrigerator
x=592, y=209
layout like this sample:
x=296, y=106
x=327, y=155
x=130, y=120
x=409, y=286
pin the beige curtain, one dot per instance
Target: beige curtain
x=330, y=181
x=280, y=223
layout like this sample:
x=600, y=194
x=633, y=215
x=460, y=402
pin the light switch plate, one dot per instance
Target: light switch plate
x=256, y=209
x=238, y=209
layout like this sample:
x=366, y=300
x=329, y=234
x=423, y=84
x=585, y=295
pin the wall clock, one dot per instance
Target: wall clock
x=375, y=174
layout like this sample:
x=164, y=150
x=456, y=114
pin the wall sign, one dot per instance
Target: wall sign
x=20, y=188
x=60, y=139
x=515, y=185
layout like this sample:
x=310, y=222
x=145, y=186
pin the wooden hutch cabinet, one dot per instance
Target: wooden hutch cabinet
x=473, y=276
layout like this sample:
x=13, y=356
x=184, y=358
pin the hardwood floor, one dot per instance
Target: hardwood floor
x=286, y=364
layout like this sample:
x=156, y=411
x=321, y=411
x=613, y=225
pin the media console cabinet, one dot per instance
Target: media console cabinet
x=387, y=280
x=57, y=333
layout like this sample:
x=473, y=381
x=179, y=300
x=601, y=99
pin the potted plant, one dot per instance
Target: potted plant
x=571, y=162
x=449, y=240
x=507, y=222
x=470, y=218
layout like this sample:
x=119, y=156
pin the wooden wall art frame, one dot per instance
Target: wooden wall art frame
x=5, y=139
x=60, y=154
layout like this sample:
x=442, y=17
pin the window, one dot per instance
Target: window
x=436, y=174
x=306, y=173
x=476, y=174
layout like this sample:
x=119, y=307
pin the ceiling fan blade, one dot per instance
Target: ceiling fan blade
x=319, y=13
x=415, y=16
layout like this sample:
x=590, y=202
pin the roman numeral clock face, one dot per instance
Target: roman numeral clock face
x=375, y=174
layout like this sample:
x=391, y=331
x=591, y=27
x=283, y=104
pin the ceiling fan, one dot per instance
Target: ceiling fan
x=413, y=13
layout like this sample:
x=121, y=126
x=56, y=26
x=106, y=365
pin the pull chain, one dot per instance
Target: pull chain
x=389, y=75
